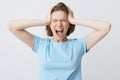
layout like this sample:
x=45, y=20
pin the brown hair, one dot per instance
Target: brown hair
x=63, y=7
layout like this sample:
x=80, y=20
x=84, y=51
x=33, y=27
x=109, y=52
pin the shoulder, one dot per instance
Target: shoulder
x=79, y=44
x=40, y=42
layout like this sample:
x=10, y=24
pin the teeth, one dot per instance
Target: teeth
x=59, y=29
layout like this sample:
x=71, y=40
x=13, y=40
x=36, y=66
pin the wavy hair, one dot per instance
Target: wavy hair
x=63, y=7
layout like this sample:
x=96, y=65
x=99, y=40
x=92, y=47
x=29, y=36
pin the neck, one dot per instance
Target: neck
x=60, y=40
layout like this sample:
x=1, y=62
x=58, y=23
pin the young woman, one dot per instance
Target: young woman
x=60, y=57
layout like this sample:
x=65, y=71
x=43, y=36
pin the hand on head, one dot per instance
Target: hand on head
x=48, y=18
x=70, y=15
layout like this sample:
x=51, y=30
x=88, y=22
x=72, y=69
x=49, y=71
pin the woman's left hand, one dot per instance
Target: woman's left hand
x=70, y=16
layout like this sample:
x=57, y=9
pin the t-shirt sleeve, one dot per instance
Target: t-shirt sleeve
x=38, y=42
x=82, y=43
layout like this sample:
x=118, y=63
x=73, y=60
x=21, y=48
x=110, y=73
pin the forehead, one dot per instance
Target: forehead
x=59, y=15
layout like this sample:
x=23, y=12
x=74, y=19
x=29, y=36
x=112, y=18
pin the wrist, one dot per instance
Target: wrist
x=47, y=22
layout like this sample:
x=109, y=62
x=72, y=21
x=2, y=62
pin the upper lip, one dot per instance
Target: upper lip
x=59, y=29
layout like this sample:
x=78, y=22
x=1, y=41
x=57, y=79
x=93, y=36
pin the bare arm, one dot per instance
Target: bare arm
x=101, y=28
x=17, y=27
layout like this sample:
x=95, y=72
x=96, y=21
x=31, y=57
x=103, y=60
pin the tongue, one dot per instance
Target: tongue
x=59, y=33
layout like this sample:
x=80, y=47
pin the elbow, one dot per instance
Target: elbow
x=108, y=27
x=10, y=25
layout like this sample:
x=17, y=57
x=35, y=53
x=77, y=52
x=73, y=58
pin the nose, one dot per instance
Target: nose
x=59, y=23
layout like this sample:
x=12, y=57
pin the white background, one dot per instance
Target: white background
x=19, y=62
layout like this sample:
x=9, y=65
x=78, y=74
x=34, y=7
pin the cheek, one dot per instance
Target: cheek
x=67, y=26
x=52, y=24
x=51, y=27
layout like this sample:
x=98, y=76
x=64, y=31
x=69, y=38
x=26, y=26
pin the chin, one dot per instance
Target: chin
x=60, y=38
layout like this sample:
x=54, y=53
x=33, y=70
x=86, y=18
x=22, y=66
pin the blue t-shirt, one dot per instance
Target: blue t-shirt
x=60, y=61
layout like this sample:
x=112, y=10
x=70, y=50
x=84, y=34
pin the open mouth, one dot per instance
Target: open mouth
x=59, y=32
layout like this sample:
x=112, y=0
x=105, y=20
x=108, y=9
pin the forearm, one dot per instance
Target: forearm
x=25, y=23
x=94, y=24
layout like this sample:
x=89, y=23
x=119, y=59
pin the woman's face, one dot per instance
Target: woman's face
x=59, y=24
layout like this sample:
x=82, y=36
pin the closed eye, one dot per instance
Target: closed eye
x=54, y=20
